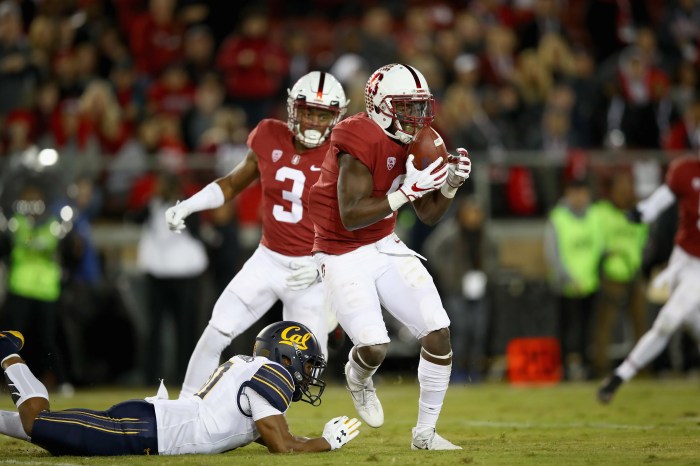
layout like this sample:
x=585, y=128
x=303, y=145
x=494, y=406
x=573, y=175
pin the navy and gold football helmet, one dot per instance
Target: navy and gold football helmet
x=292, y=345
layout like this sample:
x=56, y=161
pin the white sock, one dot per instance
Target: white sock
x=357, y=375
x=11, y=425
x=647, y=348
x=23, y=384
x=433, y=379
x=204, y=360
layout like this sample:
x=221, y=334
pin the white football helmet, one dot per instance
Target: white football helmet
x=398, y=99
x=317, y=89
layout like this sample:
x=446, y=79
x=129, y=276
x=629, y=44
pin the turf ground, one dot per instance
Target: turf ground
x=650, y=422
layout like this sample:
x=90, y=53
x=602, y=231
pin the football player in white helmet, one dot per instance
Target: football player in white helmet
x=316, y=90
x=367, y=176
x=398, y=99
x=287, y=158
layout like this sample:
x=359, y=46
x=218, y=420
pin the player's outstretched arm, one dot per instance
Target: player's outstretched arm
x=275, y=435
x=650, y=208
x=216, y=193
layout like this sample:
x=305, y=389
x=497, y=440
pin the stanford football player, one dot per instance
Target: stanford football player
x=681, y=276
x=366, y=176
x=287, y=159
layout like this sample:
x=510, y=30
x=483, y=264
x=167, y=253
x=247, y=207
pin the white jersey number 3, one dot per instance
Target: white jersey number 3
x=294, y=215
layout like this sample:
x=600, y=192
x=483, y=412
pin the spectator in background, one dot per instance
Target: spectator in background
x=172, y=279
x=32, y=245
x=458, y=252
x=16, y=74
x=208, y=98
x=685, y=89
x=685, y=133
x=621, y=289
x=172, y=92
x=155, y=37
x=546, y=19
x=573, y=245
x=254, y=67
x=377, y=41
x=77, y=144
x=199, y=53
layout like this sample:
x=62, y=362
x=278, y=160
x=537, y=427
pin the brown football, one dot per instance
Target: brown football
x=426, y=147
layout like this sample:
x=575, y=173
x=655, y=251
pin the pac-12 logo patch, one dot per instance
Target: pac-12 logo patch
x=276, y=155
x=390, y=162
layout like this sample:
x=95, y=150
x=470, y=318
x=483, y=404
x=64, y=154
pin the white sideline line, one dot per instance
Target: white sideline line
x=525, y=425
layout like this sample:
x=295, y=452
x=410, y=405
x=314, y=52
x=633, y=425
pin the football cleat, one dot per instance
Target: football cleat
x=11, y=341
x=608, y=387
x=428, y=439
x=366, y=402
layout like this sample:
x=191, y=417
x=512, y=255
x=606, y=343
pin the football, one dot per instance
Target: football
x=426, y=147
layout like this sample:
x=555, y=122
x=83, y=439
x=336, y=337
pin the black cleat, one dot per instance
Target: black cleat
x=11, y=341
x=608, y=387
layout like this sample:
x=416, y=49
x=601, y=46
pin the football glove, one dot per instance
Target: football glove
x=458, y=168
x=418, y=183
x=175, y=217
x=304, y=276
x=340, y=430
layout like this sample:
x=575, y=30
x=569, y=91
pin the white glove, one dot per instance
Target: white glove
x=420, y=182
x=340, y=430
x=458, y=169
x=175, y=217
x=304, y=275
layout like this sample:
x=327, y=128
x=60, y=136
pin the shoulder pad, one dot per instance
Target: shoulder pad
x=274, y=383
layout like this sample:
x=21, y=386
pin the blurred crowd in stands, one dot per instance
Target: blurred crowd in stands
x=127, y=92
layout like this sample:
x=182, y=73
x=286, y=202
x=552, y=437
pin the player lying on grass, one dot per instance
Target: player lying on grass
x=243, y=401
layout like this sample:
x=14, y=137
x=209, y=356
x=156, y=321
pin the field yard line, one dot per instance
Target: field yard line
x=523, y=425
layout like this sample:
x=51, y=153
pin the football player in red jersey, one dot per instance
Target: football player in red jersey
x=287, y=158
x=366, y=176
x=680, y=277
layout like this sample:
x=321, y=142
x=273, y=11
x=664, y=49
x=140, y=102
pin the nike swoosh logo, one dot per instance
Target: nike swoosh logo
x=415, y=188
x=314, y=168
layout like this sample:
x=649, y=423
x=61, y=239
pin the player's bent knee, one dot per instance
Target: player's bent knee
x=373, y=355
x=29, y=410
x=437, y=342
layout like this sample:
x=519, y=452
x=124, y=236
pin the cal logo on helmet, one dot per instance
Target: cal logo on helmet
x=291, y=339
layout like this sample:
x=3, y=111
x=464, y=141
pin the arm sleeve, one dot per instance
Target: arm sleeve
x=660, y=200
x=551, y=251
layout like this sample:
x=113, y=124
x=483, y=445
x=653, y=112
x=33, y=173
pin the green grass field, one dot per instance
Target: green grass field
x=650, y=422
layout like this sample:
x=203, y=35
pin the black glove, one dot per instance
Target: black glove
x=634, y=215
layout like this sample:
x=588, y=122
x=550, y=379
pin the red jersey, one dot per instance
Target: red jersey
x=385, y=158
x=286, y=178
x=683, y=178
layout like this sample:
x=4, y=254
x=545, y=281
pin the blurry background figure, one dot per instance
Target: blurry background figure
x=254, y=66
x=31, y=242
x=573, y=247
x=622, y=286
x=173, y=264
x=457, y=250
x=16, y=74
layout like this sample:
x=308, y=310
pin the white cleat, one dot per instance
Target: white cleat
x=366, y=402
x=428, y=439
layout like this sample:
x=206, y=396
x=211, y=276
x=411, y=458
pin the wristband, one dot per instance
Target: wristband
x=210, y=197
x=396, y=200
x=448, y=191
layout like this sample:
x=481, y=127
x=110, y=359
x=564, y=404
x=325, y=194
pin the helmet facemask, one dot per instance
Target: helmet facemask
x=409, y=114
x=306, y=371
x=326, y=116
